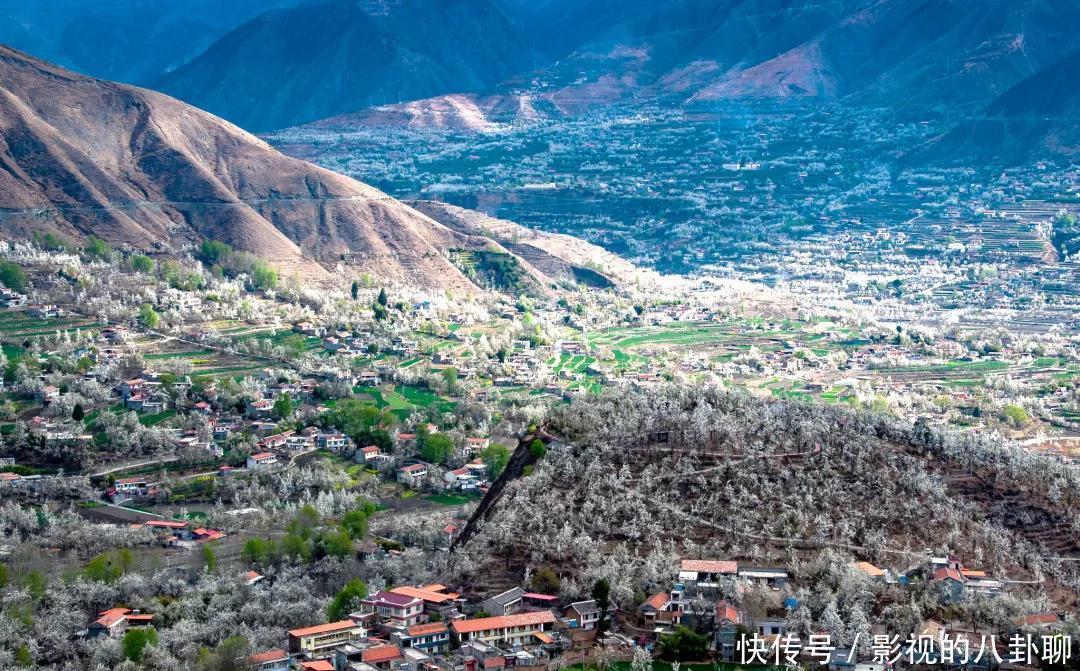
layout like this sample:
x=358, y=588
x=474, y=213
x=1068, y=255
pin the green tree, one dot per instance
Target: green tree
x=263, y=276
x=306, y=519
x=143, y=264
x=77, y=413
x=35, y=585
x=209, y=559
x=382, y=299
x=53, y=242
x=546, y=581
x=684, y=644
x=283, y=406
x=12, y=276
x=213, y=252
x=355, y=290
x=537, y=448
x=336, y=543
x=230, y=655
x=601, y=593
x=108, y=566
x=355, y=522
x=259, y=551
x=347, y=600
x=450, y=377
x=136, y=640
x=297, y=547
x=436, y=448
x=98, y=248
x=148, y=316
x=1016, y=415
x=496, y=457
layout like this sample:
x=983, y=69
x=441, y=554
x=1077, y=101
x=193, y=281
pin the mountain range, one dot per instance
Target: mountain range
x=82, y=157
x=124, y=40
x=893, y=52
x=1036, y=119
x=327, y=57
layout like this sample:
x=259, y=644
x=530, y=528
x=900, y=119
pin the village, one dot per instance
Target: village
x=216, y=430
x=431, y=627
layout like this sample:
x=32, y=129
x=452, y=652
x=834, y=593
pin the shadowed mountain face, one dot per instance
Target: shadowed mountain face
x=952, y=52
x=335, y=56
x=81, y=156
x=1036, y=119
x=124, y=40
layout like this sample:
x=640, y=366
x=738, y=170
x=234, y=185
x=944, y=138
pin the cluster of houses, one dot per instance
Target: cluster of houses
x=177, y=533
x=662, y=612
x=432, y=628
x=414, y=628
x=10, y=298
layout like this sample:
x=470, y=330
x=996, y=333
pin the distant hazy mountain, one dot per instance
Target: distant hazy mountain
x=1039, y=118
x=334, y=56
x=124, y=40
x=884, y=51
x=81, y=157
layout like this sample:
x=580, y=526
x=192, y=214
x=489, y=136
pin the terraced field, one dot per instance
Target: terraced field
x=405, y=400
x=18, y=326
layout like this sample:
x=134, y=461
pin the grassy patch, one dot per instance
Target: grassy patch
x=156, y=418
x=451, y=499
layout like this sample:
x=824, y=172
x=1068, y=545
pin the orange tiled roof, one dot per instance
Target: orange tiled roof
x=709, y=566
x=725, y=611
x=166, y=524
x=658, y=600
x=504, y=621
x=268, y=656
x=422, y=593
x=945, y=573
x=340, y=625
x=1037, y=619
x=428, y=628
x=112, y=616
x=380, y=653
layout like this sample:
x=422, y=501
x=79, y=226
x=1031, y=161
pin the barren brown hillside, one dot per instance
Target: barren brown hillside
x=81, y=157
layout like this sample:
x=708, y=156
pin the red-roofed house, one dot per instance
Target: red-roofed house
x=115, y=621
x=206, y=535
x=370, y=454
x=262, y=460
x=392, y=608
x=323, y=636
x=413, y=475
x=1041, y=621
x=271, y=660
x=706, y=572
x=518, y=629
x=431, y=637
x=381, y=656
x=951, y=582
x=728, y=620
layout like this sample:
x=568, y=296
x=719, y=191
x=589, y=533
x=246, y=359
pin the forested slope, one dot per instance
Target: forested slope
x=648, y=477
